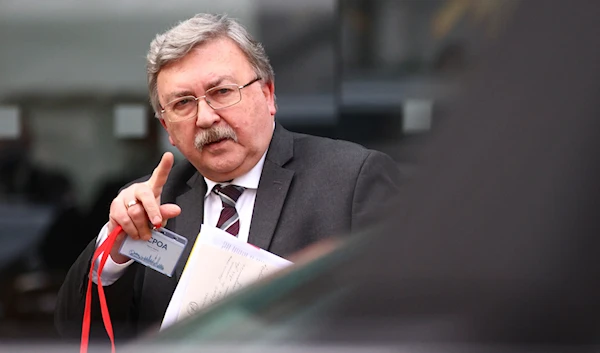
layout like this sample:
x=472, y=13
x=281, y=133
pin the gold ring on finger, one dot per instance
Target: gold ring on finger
x=131, y=203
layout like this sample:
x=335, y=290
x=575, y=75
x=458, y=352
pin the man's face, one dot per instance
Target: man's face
x=213, y=64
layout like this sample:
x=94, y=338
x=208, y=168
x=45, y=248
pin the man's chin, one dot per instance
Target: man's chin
x=220, y=172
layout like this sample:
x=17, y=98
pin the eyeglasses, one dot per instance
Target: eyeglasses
x=184, y=108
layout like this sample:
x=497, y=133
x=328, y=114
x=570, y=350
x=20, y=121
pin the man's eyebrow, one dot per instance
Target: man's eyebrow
x=219, y=80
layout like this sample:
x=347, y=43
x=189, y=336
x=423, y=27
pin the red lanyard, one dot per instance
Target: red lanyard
x=104, y=248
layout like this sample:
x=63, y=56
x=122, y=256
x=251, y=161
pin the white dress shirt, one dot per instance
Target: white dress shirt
x=212, y=210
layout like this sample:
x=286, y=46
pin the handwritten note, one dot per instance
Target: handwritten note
x=220, y=273
x=218, y=266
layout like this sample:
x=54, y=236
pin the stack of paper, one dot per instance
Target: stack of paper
x=219, y=265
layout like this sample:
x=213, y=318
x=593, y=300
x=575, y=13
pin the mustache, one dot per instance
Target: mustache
x=214, y=134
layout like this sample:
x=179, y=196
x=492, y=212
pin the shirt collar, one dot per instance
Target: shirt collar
x=249, y=180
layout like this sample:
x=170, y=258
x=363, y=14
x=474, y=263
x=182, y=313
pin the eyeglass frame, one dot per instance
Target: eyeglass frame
x=197, y=99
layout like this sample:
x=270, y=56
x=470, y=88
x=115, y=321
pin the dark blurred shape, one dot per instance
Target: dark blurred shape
x=22, y=180
x=39, y=228
x=28, y=189
x=451, y=59
x=494, y=246
x=498, y=241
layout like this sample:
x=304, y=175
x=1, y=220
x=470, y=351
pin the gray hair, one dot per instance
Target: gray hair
x=177, y=42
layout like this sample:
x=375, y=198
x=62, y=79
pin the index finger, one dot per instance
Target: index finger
x=161, y=173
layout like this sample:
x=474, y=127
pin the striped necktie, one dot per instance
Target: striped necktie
x=229, y=220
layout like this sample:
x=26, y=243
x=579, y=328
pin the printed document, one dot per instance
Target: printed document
x=218, y=265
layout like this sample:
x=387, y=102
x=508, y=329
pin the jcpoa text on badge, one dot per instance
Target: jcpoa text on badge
x=158, y=243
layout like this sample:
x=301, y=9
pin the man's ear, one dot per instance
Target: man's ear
x=269, y=91
x=164, y=125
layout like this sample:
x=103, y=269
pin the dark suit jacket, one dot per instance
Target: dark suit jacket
x=310, y=188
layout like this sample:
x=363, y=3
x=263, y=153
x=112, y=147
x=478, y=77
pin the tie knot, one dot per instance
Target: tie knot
x=229, y=194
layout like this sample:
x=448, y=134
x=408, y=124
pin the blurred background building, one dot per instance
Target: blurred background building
x=75, y=123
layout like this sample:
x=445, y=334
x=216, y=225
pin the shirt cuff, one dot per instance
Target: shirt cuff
x=112, y=271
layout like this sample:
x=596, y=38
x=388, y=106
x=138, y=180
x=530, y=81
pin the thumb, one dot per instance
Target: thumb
x=168, y=211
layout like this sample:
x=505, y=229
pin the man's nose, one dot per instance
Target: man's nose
x=207, y=116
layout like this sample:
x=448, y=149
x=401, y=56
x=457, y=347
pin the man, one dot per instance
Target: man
x=211, y=86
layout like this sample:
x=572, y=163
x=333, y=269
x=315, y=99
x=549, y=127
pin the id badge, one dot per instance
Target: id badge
x=161, y=252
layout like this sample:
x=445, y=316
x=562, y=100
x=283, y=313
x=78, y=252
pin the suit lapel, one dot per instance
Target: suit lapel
x=272, y=189
x=192, y=214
